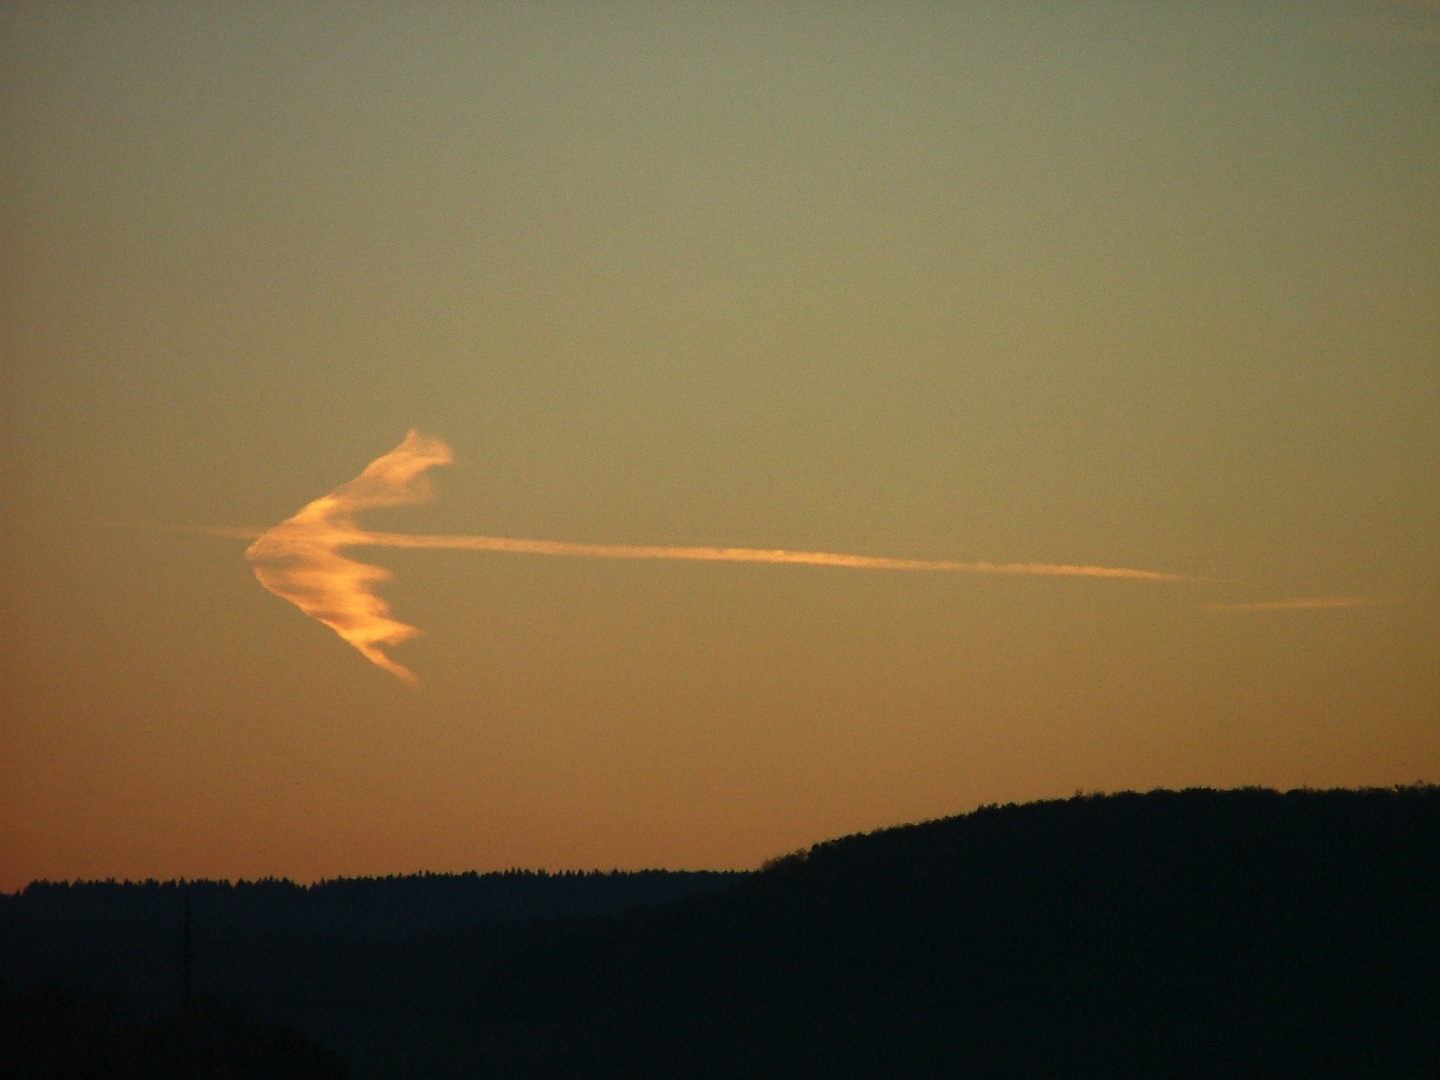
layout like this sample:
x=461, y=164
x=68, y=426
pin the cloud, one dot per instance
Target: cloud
x=299, y=559
x=1299, y=603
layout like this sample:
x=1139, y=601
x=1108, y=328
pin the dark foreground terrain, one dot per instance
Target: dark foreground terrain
x=378, y=968
x=50, y=1031
x=1199, y=933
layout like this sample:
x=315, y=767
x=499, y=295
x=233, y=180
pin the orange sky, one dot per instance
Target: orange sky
x=1148, y=288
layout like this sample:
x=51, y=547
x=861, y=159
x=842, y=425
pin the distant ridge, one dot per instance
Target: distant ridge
x=373, y=908
x=1198, y=933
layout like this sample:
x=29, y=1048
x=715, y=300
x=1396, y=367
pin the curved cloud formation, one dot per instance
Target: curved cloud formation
x=299, y=559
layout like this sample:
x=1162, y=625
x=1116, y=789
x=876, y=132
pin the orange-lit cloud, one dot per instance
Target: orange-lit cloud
x=299, y=558
x=1299, y=603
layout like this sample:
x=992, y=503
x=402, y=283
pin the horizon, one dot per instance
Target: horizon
x=1417, y=786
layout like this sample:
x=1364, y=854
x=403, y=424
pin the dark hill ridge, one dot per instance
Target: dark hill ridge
x=377, y=908
x=1199, y=933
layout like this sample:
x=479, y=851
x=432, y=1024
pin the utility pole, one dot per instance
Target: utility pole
x=187, y=957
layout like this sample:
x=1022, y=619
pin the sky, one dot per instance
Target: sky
x=1148, y=286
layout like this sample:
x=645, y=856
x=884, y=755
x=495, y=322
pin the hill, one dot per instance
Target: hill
x=1200, y=933
x=371, y=909
x=1195, y=933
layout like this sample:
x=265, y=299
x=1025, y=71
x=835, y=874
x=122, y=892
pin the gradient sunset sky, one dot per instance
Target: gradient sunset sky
x=1135, y=285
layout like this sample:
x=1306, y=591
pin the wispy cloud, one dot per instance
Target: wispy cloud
x=1299, y=603
x=299, y=559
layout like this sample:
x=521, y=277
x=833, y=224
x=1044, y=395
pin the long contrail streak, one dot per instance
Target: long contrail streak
x=747, y=555
x=300, y=559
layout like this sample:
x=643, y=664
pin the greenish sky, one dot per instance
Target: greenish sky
x=1148, y=285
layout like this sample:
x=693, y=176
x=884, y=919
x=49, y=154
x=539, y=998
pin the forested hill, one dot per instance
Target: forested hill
x=1200, y=933
x=368, y=908
x=1170, y=934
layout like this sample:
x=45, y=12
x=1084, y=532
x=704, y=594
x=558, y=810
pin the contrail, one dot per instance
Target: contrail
x=754, y=555
x=1299, y=603
x=299, y=559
